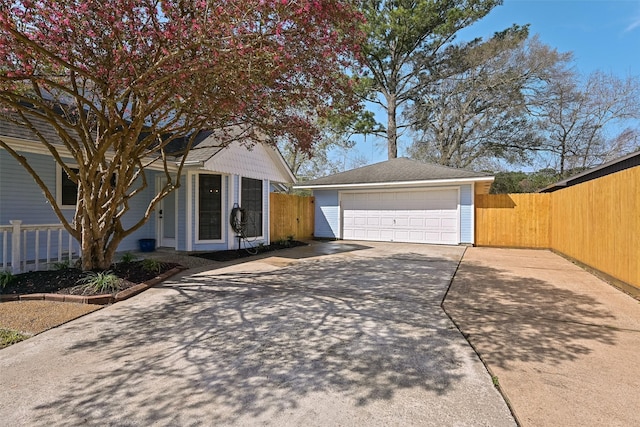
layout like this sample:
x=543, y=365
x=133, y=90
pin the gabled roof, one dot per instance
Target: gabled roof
x=617, y=165
x=209, y=143
x=396, y=171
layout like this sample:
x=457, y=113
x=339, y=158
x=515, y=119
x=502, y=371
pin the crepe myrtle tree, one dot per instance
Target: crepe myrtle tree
x=118, y=81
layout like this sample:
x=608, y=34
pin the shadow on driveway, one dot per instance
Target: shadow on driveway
x=350, y=340
x=563, y=344
x=527, y=319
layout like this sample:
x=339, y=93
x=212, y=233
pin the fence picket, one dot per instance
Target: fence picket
x=23, y=254
x=5, y=233
x=596, y=223
x=291, y=215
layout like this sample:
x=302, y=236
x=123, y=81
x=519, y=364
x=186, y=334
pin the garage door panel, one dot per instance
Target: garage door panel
x=401, y=221
x=410, y=216
x=386, y=234
x=449, y=224
x=373, y=220
x=359, y=220
x=452, y=236
x=401, y=235
x=432, y=223
x=416, y=222
x=359, y=234
x=433, y=236
x=372, y=234
x=417, y=236
x=386, y=221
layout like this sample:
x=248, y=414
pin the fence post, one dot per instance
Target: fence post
x=15, y=246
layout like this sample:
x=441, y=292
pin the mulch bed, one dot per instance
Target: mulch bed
x=231, y=255
x=66, y=281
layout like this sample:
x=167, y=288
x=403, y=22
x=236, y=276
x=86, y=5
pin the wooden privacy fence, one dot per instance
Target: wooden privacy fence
x=291, y=215
x=596, y=223
x=513, y=220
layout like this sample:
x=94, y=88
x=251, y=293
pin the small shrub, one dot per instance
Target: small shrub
x=8, y=337
x=101, y=282
x=290, y=238
x=5, y=278
x=127, y=257
x=152, y=265
x=61, y=265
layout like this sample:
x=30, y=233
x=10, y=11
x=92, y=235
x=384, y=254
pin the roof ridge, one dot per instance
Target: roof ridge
x=400, y=169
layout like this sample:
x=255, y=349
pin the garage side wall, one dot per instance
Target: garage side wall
x=466, y=214
x=327, y=214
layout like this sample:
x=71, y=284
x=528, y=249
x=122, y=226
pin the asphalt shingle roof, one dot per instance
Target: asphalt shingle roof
x=15, y=130
x=401, y=169
x=203, y=147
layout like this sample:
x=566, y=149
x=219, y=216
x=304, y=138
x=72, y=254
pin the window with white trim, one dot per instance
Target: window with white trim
x=209, y=207
x=251, y=202
x=68, y=189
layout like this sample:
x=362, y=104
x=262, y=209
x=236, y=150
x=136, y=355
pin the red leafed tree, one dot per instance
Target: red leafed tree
x=120, y=80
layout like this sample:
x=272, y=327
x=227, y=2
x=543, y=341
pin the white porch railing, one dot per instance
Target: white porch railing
x=35, y=247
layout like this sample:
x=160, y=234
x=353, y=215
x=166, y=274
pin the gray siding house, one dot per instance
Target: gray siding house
x=195, y=217
x=399, y=200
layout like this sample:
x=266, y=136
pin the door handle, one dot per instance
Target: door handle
x=160, y=214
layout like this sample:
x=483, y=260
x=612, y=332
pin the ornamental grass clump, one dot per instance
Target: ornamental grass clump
x=5, y=278
x=152, y=265
x=101, y=282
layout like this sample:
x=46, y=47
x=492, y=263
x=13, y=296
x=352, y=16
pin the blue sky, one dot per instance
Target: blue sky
x=603, y=35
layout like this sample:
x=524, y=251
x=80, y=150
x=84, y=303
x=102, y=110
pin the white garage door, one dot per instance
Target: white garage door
x=407, y=216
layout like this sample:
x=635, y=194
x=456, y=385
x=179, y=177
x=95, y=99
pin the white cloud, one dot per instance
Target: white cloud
x=635, y=24
x=635, y=19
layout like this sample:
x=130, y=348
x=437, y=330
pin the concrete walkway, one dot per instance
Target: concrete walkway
x=332, y=334
x=564, y=345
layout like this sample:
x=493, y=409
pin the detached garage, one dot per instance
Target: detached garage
x=400, y=200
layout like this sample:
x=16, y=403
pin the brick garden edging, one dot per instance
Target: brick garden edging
x=96, y=299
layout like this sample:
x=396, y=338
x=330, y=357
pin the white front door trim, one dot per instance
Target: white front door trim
x=163, y=241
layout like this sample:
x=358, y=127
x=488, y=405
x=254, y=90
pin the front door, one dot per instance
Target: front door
x=167, y=218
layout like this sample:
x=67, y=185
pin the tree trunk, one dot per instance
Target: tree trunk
x=98, y=244
x=392, y=127
x=563, y=155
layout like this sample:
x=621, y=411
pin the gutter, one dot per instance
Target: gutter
x=192, y=163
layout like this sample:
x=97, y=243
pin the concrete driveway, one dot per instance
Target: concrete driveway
x=563, y=343
x=332, y=334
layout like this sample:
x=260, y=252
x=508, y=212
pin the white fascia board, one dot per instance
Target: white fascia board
x=33, y=147
x=427, y=183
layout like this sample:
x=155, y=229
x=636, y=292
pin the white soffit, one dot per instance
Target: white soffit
x=253, y=162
